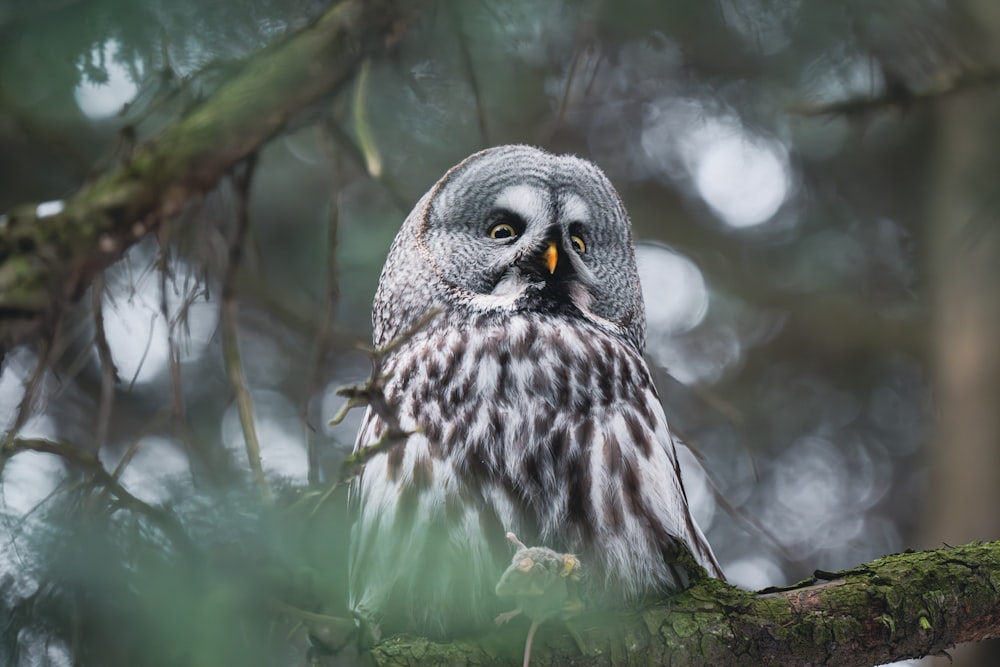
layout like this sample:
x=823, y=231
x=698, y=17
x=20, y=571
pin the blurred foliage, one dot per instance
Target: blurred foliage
x=801, y=380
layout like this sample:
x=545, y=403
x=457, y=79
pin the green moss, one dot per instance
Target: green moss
x=20, y=285
x=894, y=596
x=890, y=623
x=710, y=645
x=845, y=629
x=685, y=625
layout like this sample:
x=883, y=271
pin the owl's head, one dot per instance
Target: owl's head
x=515, y=228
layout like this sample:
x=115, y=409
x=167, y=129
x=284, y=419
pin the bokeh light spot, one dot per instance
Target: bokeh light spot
x=673, y=289
x=157, y=462
x=135, y=326
x=754, y=573
x=743, y=177
x=279, y=430
x=50, y=208
x=742, y=180
x=101, y=100
x=28, y=479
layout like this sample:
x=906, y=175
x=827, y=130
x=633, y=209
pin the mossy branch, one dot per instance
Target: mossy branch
x=898, y=607
x=49, y=254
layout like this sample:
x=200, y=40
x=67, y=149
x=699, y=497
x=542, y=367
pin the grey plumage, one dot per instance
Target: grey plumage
x=533, y=408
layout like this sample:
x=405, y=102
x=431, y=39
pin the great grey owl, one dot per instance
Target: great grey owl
x=531, y=407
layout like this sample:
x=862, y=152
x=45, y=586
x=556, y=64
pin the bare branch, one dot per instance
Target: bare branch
x=362, y=125
x=230, y=334
x=88, y=463
x=321, y=345
x=585, y=39
x=177, y=407
x=340, y=143
x=371, y=393
x=454, y=13
x=901, y=99
x=109, y=375
x=27, y=404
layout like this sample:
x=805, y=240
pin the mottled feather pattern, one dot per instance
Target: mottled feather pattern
x=532, y=408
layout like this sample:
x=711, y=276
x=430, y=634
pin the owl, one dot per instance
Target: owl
x=528, y=403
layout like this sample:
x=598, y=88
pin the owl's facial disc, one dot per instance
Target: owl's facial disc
x=537, y=239
x=479, y=241
x=547, y=273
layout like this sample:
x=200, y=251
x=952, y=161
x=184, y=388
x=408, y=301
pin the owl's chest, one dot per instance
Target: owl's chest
x=506, y=380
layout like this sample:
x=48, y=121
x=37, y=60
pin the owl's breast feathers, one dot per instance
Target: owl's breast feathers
x=533, y=423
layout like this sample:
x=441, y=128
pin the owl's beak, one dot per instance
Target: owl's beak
x=551, y=257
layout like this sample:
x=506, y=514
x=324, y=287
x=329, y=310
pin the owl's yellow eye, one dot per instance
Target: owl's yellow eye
x=502, y=231
x=578, y=243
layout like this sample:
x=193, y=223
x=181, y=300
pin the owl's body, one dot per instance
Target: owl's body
x=532, y=408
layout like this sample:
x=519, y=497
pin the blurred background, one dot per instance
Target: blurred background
x=814, y=193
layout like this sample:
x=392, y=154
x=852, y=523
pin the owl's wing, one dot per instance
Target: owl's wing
x=695, y=538
x=418, y=539
x=636, y=490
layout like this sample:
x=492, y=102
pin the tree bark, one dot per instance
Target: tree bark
x=962, y=215
x=49, y=255
x=902, y=606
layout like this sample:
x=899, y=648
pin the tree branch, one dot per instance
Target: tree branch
x=49, y=254
x=88, y=463
x=901, y=98
x=902, y=606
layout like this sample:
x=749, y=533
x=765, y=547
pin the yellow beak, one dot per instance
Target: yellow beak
x=551, y=257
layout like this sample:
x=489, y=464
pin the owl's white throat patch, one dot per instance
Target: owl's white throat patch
x=507, y=291
x=512, y=284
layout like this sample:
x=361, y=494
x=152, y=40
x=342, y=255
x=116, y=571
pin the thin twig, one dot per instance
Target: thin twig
x=154, y=425
x=568, y=87
x=362, y=123
x=109, y=374
x=588, y=89
x=737, y=514
x=345, y=146
x=465, y=62
x=26, y=405
x=371, y=393
x=90, y=464
x=584, y=40
x=61, y=342
x=80, y=360
x=14, y=528
x=230, y=334
x=748, y=519
x=321, y=345
x=133, y=448
x=145, y=352
x=177, y=406
x=900, y=99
